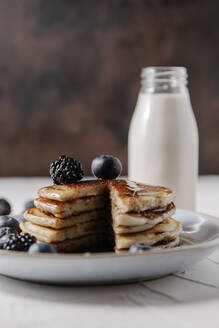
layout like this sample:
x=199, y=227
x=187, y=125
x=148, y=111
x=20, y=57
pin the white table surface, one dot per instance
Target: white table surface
x=189, y=299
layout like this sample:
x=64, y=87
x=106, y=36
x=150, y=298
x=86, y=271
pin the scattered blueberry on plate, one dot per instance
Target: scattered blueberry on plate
x=6, y=231
x=8, y=221
x=106, y=167
x=29, y=204
x=139, y=247
x=5, y=207
x=42, y=248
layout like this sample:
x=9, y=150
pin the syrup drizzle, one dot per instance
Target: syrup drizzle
x=134, y=188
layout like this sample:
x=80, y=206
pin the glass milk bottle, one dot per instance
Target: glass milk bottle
x=163, y=135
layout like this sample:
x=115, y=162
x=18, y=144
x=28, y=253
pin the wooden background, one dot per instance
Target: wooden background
x=69, y=75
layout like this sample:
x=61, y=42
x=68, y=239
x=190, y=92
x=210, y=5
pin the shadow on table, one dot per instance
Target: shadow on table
x=169, y=290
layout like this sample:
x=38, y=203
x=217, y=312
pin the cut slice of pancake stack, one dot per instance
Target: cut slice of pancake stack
x=142, y=214
x=98, y=215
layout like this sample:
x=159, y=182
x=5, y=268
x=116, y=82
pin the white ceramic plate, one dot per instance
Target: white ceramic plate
x=200, y=233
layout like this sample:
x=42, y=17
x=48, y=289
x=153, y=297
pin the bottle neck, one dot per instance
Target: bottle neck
x=164, y=80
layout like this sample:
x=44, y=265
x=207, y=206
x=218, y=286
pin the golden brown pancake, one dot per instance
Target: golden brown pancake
x=69, y=208
x=167, y=230
x=98, y=242
x=50, y=235
x=130, y=196
x=160, y=245
x=36, y=216
x=73, y=191
x=134, y=222
x=168, y=243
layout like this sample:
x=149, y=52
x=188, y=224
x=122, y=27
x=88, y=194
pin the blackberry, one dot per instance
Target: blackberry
x=66, y=170
x=17, y=242
x=5, y=207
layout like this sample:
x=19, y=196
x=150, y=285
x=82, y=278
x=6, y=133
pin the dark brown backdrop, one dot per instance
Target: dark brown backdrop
x=69, y=75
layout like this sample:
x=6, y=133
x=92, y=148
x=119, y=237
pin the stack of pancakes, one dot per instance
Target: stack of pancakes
x=98, y=215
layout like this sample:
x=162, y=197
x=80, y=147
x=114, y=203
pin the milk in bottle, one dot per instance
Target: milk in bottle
x=163, y=135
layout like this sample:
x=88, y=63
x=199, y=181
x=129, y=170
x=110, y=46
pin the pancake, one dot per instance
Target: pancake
x=73, y=191
x=139, y=228
x=49, y=235
x=127, y=195
x=36, y=216
x=123, y=222
x=130, y=196
x=90, y=243
x=69, y=208
x=160, y=245
x=168, y=243
x=166, y=230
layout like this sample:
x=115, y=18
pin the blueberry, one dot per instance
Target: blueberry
x=6, y=231
x=21, y=219
x=29, y=204
x=8, y=221
x=4, y=239
x=5, y=207
x=42, y=248
x=106, y=167
x=138, y=247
